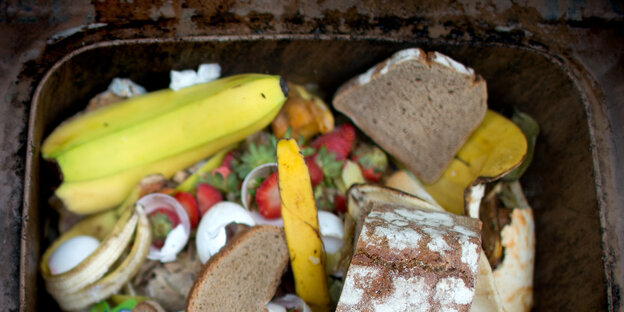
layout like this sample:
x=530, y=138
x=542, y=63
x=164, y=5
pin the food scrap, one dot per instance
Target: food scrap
x=250, y=192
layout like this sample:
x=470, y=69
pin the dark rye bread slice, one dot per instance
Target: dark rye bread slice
x=412, y=259
x=419, y=107
x=244, y=275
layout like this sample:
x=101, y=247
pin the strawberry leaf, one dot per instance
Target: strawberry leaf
x=330, y=166
x=255, y=156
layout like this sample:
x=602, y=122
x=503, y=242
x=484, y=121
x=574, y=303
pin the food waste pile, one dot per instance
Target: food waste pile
x=252, y=193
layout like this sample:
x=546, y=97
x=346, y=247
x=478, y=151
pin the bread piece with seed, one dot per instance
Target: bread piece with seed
x=244, y=275
x=411, y=259
x=419, y=107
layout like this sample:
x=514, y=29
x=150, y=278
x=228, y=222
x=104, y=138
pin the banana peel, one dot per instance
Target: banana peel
x=96, y=265
x=231, y=109
x=88, y=197
x=495, y=148
x=94, y=124
x=301, y=226
x=114, y=281
x=102, y=273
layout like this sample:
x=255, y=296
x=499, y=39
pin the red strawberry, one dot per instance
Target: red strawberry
x=163, y=220
x=370, y=174
x=268, y=198
x=340, y=141
x=340, y=203
x=228, y=159
x=207, y=196
x=223, y=170
x=372, y=160
x=226, y=166
x=187, y=200
x=316, y=173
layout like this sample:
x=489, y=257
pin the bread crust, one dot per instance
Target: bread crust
x=409, y=259
x=225, y=255
x=423, y=137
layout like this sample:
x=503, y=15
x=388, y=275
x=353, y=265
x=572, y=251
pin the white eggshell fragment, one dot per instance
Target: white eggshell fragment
x=178, y=237
x=288, y=301
x=211, y=236
x=259, y=172
x=187, y=78
x=125, y=87
x=261, y=220
x=332, y=231
x=274, y=307
x=71, y=253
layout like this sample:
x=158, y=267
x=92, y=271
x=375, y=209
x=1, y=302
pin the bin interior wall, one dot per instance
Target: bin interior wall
x=560, y=186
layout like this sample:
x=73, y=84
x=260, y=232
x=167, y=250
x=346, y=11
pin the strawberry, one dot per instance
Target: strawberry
x=188, y=201
x=163, y=220
x=228, y=160
x=268, y=198
x=316, y=173
x=207, y=196
x=226, y=165
x=340, y=203
x=340, y=141
x=372, y=160
x=223, y=170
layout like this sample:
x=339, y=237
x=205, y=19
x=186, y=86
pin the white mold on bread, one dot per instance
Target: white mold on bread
x=409, y=259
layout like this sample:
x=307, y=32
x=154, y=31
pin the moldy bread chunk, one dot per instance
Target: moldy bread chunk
x=410, y=259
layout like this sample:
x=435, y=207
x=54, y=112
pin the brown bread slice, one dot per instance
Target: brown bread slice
x=419, y=107
x=244, y=275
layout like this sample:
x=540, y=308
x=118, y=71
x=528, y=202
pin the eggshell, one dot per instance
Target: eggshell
x=178, y=237
x=261, y=171
x=332, y=231
x=71, y=253
x=211, y=234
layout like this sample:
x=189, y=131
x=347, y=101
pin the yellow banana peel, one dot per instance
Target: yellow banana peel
x=301, y=226
x=495, y=148
x=102, y=273
x=87, y=197
x=230, y=109
x=114, y=280
x=94, y=124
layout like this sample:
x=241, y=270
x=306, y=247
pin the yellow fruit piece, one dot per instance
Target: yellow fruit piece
x=301, y=226
x=351, y=174
x=496, y=147
x=407, y=182
x=232, y=108
x=96, y=123
x=100, y=194
x=304, y=113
